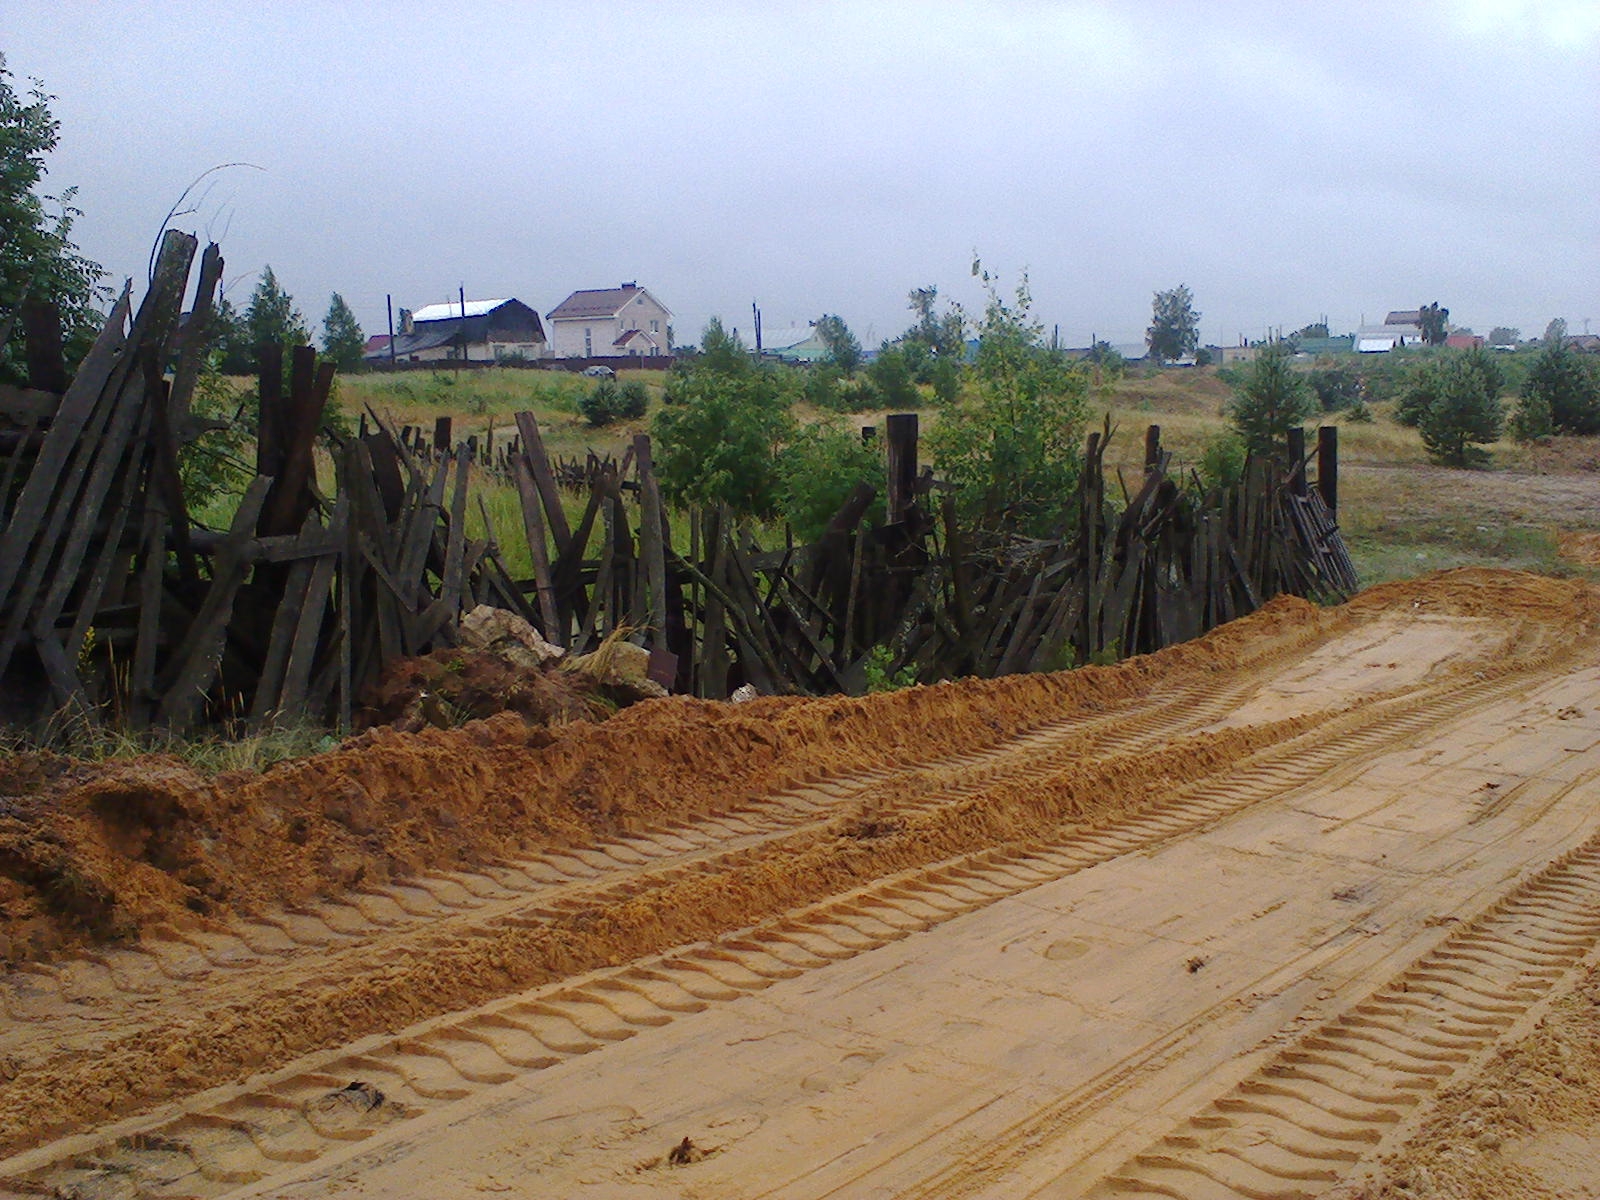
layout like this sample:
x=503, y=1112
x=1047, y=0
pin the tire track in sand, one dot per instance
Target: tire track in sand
x=230, y=1137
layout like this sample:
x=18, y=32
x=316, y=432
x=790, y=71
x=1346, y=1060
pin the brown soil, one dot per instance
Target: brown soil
x=1175, y=879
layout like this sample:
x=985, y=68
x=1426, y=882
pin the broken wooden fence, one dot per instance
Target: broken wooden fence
x=113, y=601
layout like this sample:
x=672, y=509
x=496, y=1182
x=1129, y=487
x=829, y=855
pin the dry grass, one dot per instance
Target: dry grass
x=1402, y=516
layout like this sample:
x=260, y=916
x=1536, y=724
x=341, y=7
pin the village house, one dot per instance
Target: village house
x=487, y=331
x=625, y=321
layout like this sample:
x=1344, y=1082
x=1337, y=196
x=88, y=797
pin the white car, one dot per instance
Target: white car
x=599, y=372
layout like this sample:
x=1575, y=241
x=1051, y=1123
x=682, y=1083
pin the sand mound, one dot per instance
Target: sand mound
x=90, y=854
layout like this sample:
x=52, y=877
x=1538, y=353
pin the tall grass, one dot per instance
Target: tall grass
x=70, y=732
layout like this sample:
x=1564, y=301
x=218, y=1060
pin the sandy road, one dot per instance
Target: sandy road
x=1226, y=939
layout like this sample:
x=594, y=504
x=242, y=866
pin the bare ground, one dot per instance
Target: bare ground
x=1310, y=906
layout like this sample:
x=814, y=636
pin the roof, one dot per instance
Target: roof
x=416, y=343
x=378, y=341
x=630, y=335
x=599, y=302
x=1327, y=345
x=444, y=312
x=1404, y=316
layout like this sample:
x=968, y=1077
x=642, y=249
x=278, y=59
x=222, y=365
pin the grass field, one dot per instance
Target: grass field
x=1401, y=515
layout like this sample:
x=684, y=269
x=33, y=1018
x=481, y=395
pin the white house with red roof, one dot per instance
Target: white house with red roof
x=625, y=321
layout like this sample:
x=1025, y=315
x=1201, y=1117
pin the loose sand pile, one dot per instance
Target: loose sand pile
x=94, y=853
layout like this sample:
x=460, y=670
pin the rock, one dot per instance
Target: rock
x=622, y=665
x=743, y=693
x=502, y=632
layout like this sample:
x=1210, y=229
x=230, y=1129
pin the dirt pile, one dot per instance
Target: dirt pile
x=91, y=854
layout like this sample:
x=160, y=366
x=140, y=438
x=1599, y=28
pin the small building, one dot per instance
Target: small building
x=486, y=331
x=1405, y=316
x=625, y=321
x=1463, y=341
x=796, y=345
x=1380, y=339
x=1584, y=343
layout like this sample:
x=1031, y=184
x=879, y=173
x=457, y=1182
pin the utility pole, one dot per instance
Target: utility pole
x=755, y=314
x=462, y=292
x=388, y=300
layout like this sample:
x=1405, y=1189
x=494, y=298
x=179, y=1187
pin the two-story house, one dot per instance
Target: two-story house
x=610, y=322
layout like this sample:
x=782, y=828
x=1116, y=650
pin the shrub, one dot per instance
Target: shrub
x=611, y=401
x=718, y=441
x=599, y=407
x=1336, y=387
x=1012, y=445
x=891, y=378
x=1566, y=384
x=1222, y=460
x=820, y=469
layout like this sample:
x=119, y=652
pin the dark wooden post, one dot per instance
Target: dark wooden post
x=868, y=432
x=1152, y=448
x=902, y=438
x=1328, y=466
x=441, y=435
x=1297, y=461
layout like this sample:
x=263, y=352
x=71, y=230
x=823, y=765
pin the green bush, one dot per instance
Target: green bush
x=599, y=407
x=611, y=401
x=892, y=379
x=820, y=469
x=718, y=441
x=1011, y=446
x=1337, y=387
x=1222, y=460
x=1566, y=384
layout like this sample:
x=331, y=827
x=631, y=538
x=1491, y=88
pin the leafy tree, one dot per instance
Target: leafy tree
x=342, y=339
x=38, y=260
x=1174, y=325
x=1465, y=411
x=891, y=379
x=723, y=351
x=844, y=351
x=229, y=340
x=1435, y=323
x=1011, y=444
x=1565, y=384
x=1317, y=329
x=1222, y=460
x=272, y=319
x=820, y=469
x=718, y=441
x=1272, y=399
x=1336, y=387
x=1556, y=331
x=1107, y=359
x=942, y=335
x=1504, y=335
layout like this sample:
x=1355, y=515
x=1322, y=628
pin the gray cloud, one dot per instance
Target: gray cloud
x=1284, y=161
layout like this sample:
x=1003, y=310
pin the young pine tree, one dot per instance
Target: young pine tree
x=342, y=339
x=1272, y=399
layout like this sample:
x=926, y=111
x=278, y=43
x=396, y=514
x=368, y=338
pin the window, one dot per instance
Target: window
x=588, y=343
x=655, y=326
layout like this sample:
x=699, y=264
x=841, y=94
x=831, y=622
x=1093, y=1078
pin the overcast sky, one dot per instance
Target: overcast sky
x=1285, y=161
